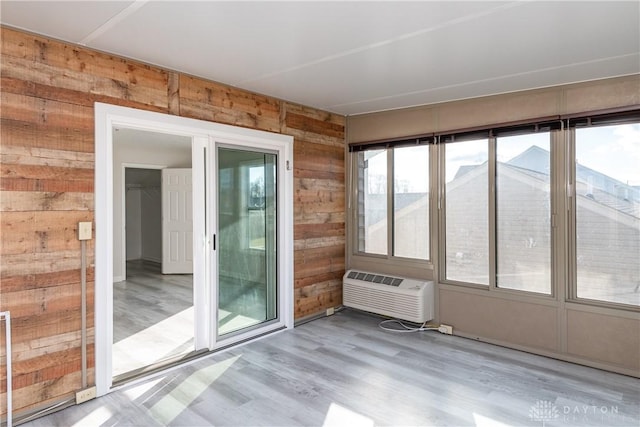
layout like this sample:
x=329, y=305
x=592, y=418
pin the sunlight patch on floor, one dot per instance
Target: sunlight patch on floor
x=482, y=421
x=170, y=406
x=338, y=416
x=155, y=343
x=96, y=417
x=235, y=323
x=171, y=337
x=136, y=391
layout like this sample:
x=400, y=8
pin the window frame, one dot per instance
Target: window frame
x=574, y=122
x=389, y=263
x=357, y=212
x=491, y=136
x=391, y=221
x=563, y=276
x=248, y=166
x=442, y=211
x=554, y=139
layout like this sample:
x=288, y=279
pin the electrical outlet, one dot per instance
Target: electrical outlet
x=86, y=394
x=330, y=311
x=445, y=329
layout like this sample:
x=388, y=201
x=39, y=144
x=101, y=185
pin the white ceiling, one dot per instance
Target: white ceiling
x=149, y=141
x=356, y=57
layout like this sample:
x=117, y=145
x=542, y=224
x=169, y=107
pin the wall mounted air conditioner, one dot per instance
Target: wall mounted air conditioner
x=396, y=297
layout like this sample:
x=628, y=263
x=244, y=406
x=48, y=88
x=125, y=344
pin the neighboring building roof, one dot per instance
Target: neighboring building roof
x=534, y=162
x=377, y=209
x=590, y=183
x=462, y=170
x=533, y=158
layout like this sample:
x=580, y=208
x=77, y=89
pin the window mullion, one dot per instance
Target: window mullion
x=493, y=262
x=559, y=209
x=439, y=209
x=561, y=228
x=434, y=213
x=359, y=194
x=390, y=203
x=570, y=214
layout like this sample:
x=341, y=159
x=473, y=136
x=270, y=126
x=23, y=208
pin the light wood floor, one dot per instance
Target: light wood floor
x=152, y=317
x=153, y=314
x=344, y=370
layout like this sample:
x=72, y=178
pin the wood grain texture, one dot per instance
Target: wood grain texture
x=25, y=135
x=173, y=91
x=12, y=154
x=47, y=93
x=59, y=65
x=204, y=100
x=344, y=370
x=319, y=192
x=319, y=205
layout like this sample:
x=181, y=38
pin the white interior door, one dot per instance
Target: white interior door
x=177, y=221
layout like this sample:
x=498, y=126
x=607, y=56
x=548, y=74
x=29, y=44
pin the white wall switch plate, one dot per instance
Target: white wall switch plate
x=84, y=231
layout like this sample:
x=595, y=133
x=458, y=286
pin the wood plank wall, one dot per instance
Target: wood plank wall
x=48, y=89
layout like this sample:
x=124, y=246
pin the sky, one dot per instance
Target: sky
x=619, y=157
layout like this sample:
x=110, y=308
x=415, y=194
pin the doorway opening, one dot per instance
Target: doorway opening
x=153, y=312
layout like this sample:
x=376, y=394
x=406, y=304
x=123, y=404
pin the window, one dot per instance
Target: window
x=405, y=213
x=411, y=202
x=256, y=203
x=372, y=202
x=466, y=212
x=607, y=213
x=523, y=213
x=498, y=238
x=256, y=187
x=521, y=207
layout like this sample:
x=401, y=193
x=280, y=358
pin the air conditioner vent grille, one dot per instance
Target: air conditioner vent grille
x=375, y=278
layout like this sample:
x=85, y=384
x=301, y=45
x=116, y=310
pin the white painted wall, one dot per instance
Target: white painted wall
x=151, y=211
x=143, y=214
x=134, y=233
x=142, y=149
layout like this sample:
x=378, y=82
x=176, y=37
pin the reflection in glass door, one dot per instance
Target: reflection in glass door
x=246, y=247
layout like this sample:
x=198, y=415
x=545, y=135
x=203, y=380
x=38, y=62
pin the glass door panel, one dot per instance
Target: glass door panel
x=246, y=247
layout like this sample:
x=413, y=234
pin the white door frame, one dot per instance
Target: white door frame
x=126, y=166
x=202, y=133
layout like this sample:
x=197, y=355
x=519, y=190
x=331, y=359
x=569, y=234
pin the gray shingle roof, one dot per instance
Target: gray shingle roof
x=590, y=183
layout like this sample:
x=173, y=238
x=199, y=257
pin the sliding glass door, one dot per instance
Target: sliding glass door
x=240, y=246
x=247, y=239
